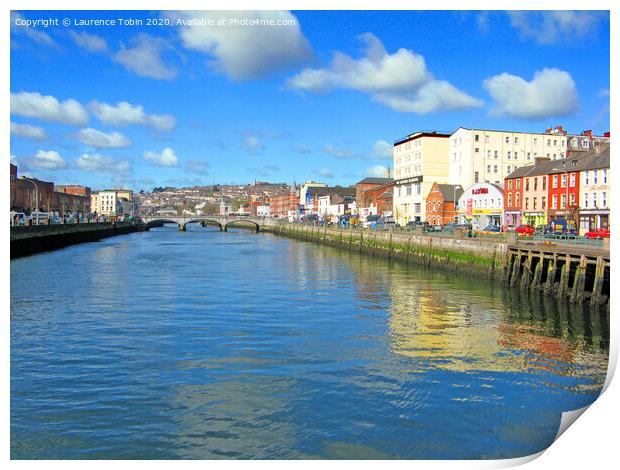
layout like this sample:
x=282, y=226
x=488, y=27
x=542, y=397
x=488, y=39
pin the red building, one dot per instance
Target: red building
x=379, y=197
x=441, y=203
x=284, y=202
x=366, y=184
x=564, y=190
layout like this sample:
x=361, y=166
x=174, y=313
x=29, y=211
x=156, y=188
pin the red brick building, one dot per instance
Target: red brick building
x=368, y=183
x=379, y=197
x=284, y=202
x=441, y=203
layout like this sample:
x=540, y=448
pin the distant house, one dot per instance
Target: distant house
x=362, y=195
x=441, y=203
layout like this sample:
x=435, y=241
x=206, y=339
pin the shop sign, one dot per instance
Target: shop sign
x=480, y=191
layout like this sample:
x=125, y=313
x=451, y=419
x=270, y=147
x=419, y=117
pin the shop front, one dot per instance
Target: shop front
x=593, y=219
x=535, y=218
x=481, y=204
x=512, y=218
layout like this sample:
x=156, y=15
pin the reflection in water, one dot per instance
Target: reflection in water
x=239, y=345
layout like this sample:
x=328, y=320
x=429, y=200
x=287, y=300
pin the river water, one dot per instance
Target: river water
x=203, y=344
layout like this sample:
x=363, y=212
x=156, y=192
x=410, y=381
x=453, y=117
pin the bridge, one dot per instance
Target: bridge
x=221, y=221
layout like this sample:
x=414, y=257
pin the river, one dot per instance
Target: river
x=205, y=344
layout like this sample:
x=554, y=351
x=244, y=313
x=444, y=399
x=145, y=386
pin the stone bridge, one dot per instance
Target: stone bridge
x=222, y=221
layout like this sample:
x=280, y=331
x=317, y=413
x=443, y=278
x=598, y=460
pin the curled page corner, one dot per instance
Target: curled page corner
x=568, y=418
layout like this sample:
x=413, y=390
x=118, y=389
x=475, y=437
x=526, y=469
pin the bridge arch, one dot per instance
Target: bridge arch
x=163, y=220
x=238, y=222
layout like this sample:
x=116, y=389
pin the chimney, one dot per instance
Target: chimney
x=539, y=160
x=606, y=134
x=587, y=133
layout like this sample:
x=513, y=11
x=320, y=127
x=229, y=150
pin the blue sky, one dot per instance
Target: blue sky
x=321, y=97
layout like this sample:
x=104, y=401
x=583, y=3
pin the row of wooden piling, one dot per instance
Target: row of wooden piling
x=579, y=278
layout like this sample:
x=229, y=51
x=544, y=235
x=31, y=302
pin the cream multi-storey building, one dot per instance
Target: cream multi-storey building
x=479, y=155
x=420, y=159
x=594, y=192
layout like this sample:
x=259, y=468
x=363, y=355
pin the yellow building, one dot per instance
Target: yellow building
x=420, y=159
x=480, y=155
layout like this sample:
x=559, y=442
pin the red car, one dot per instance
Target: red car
x=525, y=230
x=598, y=233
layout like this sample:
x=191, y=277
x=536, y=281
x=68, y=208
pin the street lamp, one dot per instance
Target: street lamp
x=36, y=193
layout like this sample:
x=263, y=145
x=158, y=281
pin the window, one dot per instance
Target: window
x=408, y=190
x=509, y=183
x=595, y=179
x=572, y=180
x=476, y=176
x=488, y=154
x=572, y=199
x=516, y=155
x=535, y=141
x=477, y=150
x=555, y=181
x=594, y=199
x=535, y=184
x=477, y=137
x=549, y=142
x=554, y=202
x=516, y=140
x=534, y=201
x=509, y=199
x=527, y=203
x=508, y=154
x=439, y=207
x=517, y=184
x=495, y=154
x=508, y=169
x=494, y=168
x=587, y=175
x=604, y=202
x=543, y=201
x=563, y=202
x=586, y=143
x=418, y=187
x=416, y=207
x=486, y=139
x=604, y=177
x=555, y=142
x=488, y=168
x=529, y=156
x=517, y=199
x=527, y=184
x=507, y=140
x=585, y=199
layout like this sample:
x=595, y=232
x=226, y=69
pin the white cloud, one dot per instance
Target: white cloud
x=90, y=42
x=339, y=153
x=603, y=93
x=124, y=114
x=37, y=36
x=28, y=131
x=548, y=27
x=199, y=167
x=551, y=93
x=47, y=160
x=252, y=143
x=326, y=173
x=264, y=171
x=400, y=80
x=48, y=108
x=99, y=139
x=166, y=157
x=144, y=58
x=381, y=149
x=246, y=52
x=302, y=148
x=96, y=163
x=377, y=171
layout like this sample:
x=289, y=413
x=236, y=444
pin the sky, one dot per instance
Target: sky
x=196, y=98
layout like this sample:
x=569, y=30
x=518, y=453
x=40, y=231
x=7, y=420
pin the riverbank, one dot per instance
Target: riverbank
x=567, y=273
x=481, y=258
x=28, y=240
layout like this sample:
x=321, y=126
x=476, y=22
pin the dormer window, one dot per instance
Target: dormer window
x=585, y=143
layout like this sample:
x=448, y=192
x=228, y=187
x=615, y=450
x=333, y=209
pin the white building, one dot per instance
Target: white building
x=480, y=155
x=420, y=159
x=594, y=192
x=263, y=210
x=305, y=203
x=480, y=205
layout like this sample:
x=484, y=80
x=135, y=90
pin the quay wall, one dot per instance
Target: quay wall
x=568, y=274
x=481, y=258
x=28, y=240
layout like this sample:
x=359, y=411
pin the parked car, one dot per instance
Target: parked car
x=492, y=228
x=598, y=233
x=526, y=230
x=386, y=223
x=371, y=221
x=433, y=228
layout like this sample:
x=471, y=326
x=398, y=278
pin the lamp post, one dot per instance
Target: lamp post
x=36, y=195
